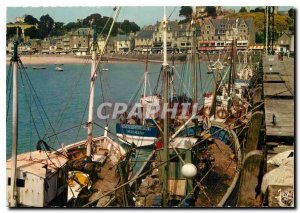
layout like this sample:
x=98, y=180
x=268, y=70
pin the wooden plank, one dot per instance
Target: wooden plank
x=177, y=187
x=276, y=89
x=284, y=116
x=254, y=131
x=273, y=79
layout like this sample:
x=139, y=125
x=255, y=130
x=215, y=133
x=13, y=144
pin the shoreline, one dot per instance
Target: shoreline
x=33, y=60
x=109, y=59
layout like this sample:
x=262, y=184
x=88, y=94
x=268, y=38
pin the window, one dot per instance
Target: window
x=207, y=32
x=20, y=182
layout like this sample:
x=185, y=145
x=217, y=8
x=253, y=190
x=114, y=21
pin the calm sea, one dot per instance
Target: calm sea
x=64, y=98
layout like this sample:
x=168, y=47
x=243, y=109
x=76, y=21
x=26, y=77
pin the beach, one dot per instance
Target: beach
x=111, y=59
x=62, y=59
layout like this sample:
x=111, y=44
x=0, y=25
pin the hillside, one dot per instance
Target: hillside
x=282, y=22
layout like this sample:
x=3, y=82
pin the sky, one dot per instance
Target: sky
x=143, y=15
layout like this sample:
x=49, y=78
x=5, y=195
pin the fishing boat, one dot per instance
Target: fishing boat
x=57, y=68
x=184, y=168
x=105, y=69
x=102, y=159
x=141, y=131
x=37, y=178
x=228, y=101
x=72, y=175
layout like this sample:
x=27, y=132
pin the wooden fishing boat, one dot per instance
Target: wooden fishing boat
x=215, y=151
x=38, y=68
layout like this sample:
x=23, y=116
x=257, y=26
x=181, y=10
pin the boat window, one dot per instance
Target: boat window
x=20, y=182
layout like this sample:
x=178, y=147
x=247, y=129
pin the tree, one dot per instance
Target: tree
x=32, y=32
x=126, y=26
x=243, y=10
x=45, y=26
x=291, y=13
x=58, y=29
x=186, y=11
x=29, y=19
x=134, y=27
x=211, y=11
x=96, y=17
x=71, y=26
x=12, y=31
x=259, y=10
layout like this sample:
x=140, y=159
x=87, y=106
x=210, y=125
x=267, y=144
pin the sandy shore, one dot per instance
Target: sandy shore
x=28, y=60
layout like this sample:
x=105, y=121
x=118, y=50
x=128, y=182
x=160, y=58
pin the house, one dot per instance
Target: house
x=35, y=45
x=143, y=40
x=52, y=46
x=285, y=43
x=218, y=34
x=124, y=43
x=66, y=43
x=80, y=41
x=45, y=44
x=183, y=37
x=157, y=37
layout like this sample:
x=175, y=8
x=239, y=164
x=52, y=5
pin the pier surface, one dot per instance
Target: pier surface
x=278, y=86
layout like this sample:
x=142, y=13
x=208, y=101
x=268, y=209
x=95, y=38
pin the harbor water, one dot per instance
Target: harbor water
x=63, y=100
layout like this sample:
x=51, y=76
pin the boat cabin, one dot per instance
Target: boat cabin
x=41, y=179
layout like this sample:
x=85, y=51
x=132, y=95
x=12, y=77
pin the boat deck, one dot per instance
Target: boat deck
x=217, y=181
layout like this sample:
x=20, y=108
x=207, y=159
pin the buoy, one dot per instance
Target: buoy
x=189, y=170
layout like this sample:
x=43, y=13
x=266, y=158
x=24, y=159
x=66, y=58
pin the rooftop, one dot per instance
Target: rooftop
x=35, y=162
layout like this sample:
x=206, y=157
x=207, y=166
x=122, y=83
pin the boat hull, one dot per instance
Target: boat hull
x=140, y=135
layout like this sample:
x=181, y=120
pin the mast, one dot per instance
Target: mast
x=267, y=30
x=234, y=55
x=91, y=98
x=194, y=54
x=166, y=132
x=145, y=84
x=231, y=68
x=13, y=193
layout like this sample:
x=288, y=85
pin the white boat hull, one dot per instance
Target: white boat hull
x=139, y=141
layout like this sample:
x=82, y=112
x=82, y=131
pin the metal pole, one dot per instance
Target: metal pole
x=91, y=99
x=194, y=46
x=267, y=30
x=13, y=194
x=145, y=87
x=166, y=101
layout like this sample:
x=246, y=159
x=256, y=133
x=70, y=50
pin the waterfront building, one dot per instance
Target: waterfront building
x=216, y=34
x=80, y=41
x=285, y=43
x=144, y=41
x=45, y=44
x=158, y=35
x=35, y=45
x=124, y=43
x=66, y=43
